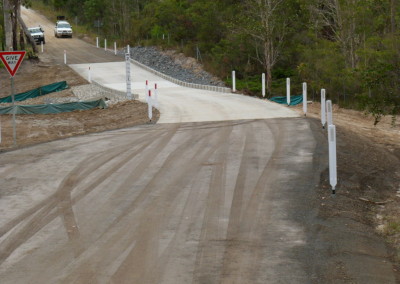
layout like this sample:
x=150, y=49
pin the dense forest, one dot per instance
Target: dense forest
x=349, y=47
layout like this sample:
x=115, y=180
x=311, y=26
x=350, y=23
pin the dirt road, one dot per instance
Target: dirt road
x=200, y=202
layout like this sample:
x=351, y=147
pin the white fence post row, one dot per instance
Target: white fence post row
x=332, y=157
x=97, y=42
x=329, y=112
x=288, y=91
x=323, y=110
x=263, y=84
x=233, y=81
x=305, y=98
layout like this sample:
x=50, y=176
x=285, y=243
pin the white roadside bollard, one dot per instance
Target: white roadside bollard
x=263, y=84
x=89, y=76
x=115, y=48
x=305, y=99
x=323, y=110
x=155, y=96
x=234, y=81
x=105, y=44
x=329, y=112
x=332, y=157
x=65, y=57
x=128, y=76
x=97, y=42
x=146, y=90
x=288, y=91
x=41, y=45
x=149, y=105
x=128, y=48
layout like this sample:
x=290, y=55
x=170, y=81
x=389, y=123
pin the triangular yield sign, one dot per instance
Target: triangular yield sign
x=12, y=60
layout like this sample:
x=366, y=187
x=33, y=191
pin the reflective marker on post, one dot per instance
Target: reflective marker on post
x=332, y=157
x=263, y=84
x=323, y=112
x=305, y=99
x=150, y=107
x=288, y=91
x=329, y=112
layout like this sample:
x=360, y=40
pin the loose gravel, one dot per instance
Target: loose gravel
x=157, y=60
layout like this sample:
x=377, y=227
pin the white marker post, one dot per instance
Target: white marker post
x=305, y=99
x=288, y=91
x=329, y=112
x=41, y=45
x=150, y=107
x=263, y=84
x=97, y=42
x=128, y=49
x=65, y=57
x=233, y=81
x=89, y=76
x=146, y=91
x=105, y=44
x=323, y=110
x=115, y=48
x=128, y=76
x=332, y=157
x=155, y=96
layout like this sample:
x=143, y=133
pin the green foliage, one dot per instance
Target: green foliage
x=353, y=53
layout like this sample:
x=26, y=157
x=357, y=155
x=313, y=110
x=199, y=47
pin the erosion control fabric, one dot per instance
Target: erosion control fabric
x=294, y=100
x=53, y=108
x=41, y=91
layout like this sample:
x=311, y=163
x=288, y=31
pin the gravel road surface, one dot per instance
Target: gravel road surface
x=211, y=198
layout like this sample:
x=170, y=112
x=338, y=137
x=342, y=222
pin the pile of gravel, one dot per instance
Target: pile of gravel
x=154, y=59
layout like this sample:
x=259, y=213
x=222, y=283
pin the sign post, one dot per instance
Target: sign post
x=12, y=60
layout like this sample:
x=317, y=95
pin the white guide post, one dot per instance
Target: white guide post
x=115, y=48
x=323, y=110
x=288, y=91
x=329, y=112
x=332, y=157
x=41, y=45
x=146, y=90
x=65, y=57
x=128, y=49
x=89, y=76
x=149, y=105
x=105, y=44
x=128, y=76
x=233, y=81
x=305, y=98
x=97, y=42
x=155, y=96
x=263, y=84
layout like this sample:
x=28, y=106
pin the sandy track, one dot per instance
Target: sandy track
x=199, y=202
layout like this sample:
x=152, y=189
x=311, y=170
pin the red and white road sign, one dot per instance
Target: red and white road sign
x=12, y=60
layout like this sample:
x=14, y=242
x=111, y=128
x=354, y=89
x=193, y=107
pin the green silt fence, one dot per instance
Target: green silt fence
x=294, y=100
x=53, y=108
x=41, y=91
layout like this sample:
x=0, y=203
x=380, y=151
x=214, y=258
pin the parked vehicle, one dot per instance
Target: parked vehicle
x=37, y=34
x=63, y=29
